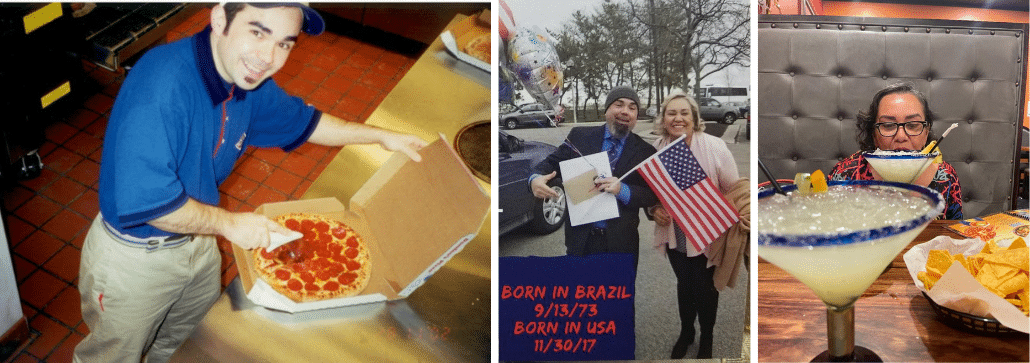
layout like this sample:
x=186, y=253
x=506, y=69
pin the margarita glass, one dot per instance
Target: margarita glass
x=899, y=166
x=839, y=241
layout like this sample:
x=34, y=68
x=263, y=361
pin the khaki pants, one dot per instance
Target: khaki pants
x=143, y=304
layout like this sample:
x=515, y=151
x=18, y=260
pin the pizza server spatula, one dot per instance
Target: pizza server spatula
x=277, y=239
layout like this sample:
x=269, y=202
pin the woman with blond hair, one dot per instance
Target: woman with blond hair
x=696, y=292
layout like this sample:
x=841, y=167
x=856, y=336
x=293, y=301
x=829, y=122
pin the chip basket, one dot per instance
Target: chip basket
x=968, y=322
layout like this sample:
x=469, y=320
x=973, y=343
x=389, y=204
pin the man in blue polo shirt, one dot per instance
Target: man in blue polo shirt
x=185, y=113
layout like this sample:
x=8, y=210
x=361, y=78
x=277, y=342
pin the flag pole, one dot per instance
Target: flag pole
x=652, y=156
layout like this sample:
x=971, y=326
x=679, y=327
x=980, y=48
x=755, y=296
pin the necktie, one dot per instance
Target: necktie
x=613, y=146
x=612, y=155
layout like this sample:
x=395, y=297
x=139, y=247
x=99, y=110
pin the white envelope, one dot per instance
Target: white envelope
x=598, y=207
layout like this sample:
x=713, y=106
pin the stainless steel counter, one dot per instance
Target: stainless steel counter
x=447, y=319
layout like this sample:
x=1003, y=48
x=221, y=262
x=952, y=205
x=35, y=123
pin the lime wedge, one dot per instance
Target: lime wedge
x=804, y=182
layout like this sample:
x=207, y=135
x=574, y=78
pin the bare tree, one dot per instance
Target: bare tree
x=603, y=49
x=655, y=45
x=716, y=34
x=660, y=21
x=569, y=43
x=694, y=37
x=584, y=44
x=624, y=43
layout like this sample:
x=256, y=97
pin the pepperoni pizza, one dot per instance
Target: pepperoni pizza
x=330, y=261
x=479, y=47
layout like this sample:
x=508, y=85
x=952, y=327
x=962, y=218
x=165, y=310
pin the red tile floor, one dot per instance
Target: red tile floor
x=48, y=216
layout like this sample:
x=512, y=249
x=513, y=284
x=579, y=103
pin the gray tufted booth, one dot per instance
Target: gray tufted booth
x=816, y=73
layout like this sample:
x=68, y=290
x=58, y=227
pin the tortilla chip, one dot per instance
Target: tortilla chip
x=1002, y=271
x=938, y=261
x=996, y=278
x=1013, y=284
x=1017, y=244
x=927, y=280
x=998, y=271
x=1017, y=258
x=989, y=247
x=975, y=262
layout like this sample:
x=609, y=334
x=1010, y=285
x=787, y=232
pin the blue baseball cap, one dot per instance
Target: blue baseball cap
x=313, y=22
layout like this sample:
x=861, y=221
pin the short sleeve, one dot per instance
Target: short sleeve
x=144, y=142
x=280, y=120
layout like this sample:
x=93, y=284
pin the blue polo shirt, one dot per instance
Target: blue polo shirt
x=166, y=141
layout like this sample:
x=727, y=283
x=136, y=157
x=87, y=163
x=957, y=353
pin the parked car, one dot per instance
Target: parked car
x=518, y=207
x=530, y=114
x=740, y=106
x=712, y=109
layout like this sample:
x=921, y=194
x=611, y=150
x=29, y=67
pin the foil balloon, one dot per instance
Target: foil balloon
x=535, y=63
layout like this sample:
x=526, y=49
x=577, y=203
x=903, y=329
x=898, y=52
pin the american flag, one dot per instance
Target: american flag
x=686, y=192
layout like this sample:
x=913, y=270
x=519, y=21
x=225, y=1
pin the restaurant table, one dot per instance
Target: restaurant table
x=892, y=318
x=446, y=319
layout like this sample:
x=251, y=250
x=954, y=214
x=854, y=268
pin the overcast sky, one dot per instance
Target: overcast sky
x=551, y=14
x=548, y=14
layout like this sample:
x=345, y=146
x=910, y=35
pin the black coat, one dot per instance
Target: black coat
x=621, y=232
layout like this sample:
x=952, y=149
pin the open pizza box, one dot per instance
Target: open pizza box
x=414, y=217
x=472, y=32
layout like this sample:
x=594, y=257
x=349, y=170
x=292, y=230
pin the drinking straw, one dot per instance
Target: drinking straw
x=938, y=144
x=934, y=148
x=769, y=176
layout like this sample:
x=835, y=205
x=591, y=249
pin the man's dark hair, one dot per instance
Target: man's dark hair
x=230, y=13
x=866, y=119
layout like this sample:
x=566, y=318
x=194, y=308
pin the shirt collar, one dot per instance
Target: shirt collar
x=217, y=88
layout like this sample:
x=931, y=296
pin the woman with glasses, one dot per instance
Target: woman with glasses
x=899, y=119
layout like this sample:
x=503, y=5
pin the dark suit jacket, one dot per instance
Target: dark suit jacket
x=621, y=232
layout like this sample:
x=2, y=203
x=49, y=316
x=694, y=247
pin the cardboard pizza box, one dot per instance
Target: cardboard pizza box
x=471, y=28
x=414, y=217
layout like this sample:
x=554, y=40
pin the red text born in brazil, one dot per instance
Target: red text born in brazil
x=602, y=292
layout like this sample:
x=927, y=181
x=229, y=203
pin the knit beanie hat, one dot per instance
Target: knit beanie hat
x=621, y=92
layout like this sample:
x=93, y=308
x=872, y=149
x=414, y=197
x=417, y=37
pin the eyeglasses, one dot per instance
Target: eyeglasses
x=912, y=128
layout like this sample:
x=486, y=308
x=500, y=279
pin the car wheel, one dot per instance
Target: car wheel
x=549, y=214
x=511, y=124
x=729, y=118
